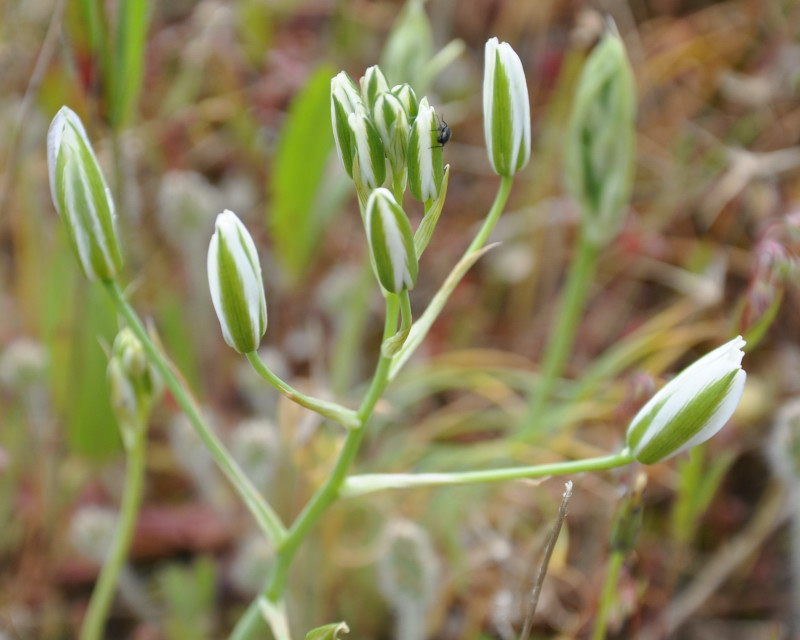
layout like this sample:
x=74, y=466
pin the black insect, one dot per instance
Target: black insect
x=444, y=133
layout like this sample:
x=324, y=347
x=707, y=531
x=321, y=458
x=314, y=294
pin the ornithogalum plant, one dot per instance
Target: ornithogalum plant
x=388, y=141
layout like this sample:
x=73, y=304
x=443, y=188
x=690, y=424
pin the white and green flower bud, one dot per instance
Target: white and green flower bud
x=134, y=384
x=425, y=170
x=506, y=109
x=407, y=98
x=391, y=242
x=237, y=290
x=600, y=147
x=82, y=198
x=373, y=84
x=368, y=149
x=691, y=408
x=344, y=101
x=392, y=123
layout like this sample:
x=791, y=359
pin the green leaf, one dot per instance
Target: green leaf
x=328, y=632
x=298, y=167
x=128, y=69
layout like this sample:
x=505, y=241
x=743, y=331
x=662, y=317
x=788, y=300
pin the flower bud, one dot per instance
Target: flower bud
x=368, y=149
x=425, y=171
x=405, y=94
x=691, y=408
x=506, y=109
x=133, y=382
x=82, y=198
x=391, y=121
x=391, y=242
x=599, y=155
x=237, y=290
x=373, y=83
x=344, y=100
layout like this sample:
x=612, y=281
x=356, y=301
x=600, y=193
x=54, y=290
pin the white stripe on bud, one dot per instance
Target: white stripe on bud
x=368, y=149
x=691, y=408
x=82, y=198
x=425, y=171
x=234, y=278
x=344, y=101
x=391, y=242
x=506, y=109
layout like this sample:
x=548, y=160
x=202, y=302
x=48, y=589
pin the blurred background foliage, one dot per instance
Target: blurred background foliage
x=198, y=106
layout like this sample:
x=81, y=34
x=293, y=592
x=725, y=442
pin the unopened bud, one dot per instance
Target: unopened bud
x=234, y=278
x=82, y=198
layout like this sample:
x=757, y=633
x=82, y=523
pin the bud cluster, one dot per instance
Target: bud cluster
x=385, y=137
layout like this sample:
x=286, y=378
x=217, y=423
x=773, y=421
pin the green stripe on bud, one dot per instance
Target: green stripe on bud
x=373, y=84
x=368, y=149
x=506, y=109
x=600, y=147
x=234, y=278
x=407, y=98
x=82, y=198
x=392, y=123
x=425, y=170
x=391, y=242
x=691, y=408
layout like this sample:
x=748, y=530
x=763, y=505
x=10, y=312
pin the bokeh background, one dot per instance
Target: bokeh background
x=233, y=112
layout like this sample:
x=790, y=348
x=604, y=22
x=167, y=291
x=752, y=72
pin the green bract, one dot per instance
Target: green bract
x=599, y=162
x=691, y=408
x=344, y=100
x=425, y=171
x=368, y=149
x=234, y=278
x=506, y=109
x=391, y=242
x=82, y=198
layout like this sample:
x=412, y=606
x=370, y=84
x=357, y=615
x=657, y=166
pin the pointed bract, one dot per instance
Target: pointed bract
x=425, y=170
x=506, y=109
x=391, y=242
x=82, y=198
x=690, y=408
x=237, y=289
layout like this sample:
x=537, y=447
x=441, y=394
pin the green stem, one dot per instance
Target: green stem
x=494, y=214
x=251, y=621
x=100, y=604
x=332, y=410
x=609, y=595
x=406, y=316
x=265, y=516
x=564, y=327
x=359, y=485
